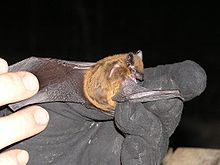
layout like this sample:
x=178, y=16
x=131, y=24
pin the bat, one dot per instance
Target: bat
x=99, y=85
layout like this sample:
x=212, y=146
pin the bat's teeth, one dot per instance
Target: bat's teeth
x=134, y=79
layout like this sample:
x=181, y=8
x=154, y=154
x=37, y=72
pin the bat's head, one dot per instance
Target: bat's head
x=135, y=66
x=123, y=66
x=104, y=79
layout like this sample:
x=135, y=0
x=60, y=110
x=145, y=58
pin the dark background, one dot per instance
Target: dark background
x=90, y=30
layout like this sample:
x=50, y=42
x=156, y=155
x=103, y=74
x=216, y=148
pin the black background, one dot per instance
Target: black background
x=89, y=30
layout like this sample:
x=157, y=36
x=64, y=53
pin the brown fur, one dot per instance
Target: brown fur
x=99, y=88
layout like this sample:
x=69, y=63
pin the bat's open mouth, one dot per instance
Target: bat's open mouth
x=133, y=78
x=137, y=77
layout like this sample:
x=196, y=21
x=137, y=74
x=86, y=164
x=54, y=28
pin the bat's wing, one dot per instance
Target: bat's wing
x=59, y=80
x=131, y=91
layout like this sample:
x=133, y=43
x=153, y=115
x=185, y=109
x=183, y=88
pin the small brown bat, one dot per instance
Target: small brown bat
x=99, y=85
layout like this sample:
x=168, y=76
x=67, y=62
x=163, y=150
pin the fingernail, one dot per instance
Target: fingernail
x=30, y=82
x=22, y=157
x=41, y=116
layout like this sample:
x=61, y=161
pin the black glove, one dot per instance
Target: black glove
x=148, y=126
x=137, y=134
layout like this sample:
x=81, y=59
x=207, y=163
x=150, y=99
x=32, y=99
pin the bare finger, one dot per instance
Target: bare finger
x=17, y=86
x=3, y=66
x=22, y=124
x=14, y=157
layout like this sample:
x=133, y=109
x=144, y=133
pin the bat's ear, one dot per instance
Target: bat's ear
x=140, y=54
x=130, y=59
x=113, y=68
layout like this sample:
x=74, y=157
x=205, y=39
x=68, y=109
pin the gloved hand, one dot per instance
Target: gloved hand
x=137, y=133
x=148, y=126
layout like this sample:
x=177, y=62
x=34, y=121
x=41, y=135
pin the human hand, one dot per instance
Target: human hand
x=24, y=123
x=148, y=126
x=80, y=135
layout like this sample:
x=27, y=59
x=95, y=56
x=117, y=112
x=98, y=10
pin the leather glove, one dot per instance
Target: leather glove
x=138, y=133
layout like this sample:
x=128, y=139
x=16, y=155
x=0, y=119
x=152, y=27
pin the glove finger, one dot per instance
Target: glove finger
x=187, y=76
x=135, y=150
x=169, y=112
x=134, y=119
x=145, y=142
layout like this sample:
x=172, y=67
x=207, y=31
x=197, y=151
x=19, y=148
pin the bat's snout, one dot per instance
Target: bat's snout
x=139, y=76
